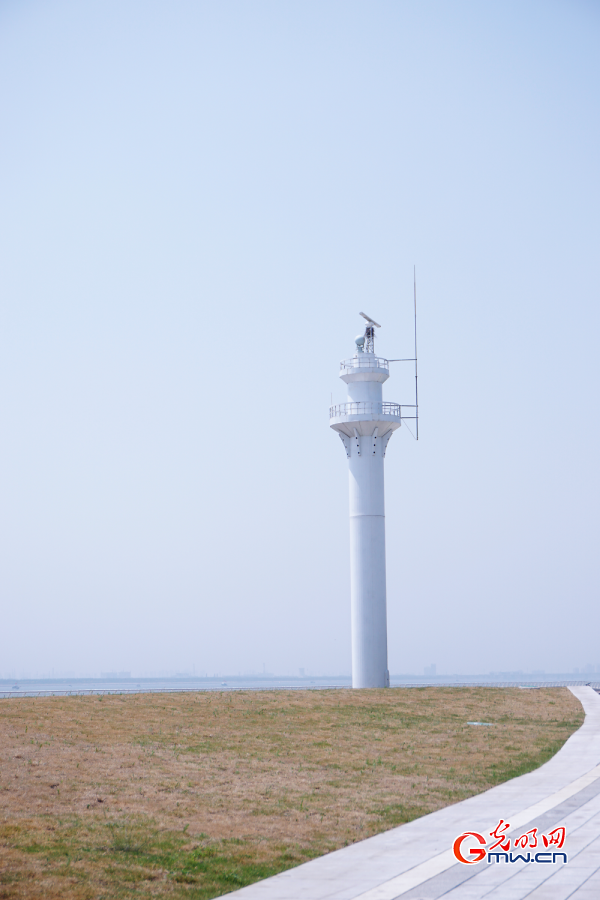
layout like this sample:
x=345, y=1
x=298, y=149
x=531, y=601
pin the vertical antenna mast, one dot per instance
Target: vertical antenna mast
x=416, y=371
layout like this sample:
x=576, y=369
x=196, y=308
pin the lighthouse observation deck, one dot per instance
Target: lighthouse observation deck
x=363, y=408
x=366, y=417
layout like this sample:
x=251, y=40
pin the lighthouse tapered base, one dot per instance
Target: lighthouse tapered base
x=368, y=602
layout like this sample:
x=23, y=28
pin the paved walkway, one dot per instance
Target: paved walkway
x=415, y=861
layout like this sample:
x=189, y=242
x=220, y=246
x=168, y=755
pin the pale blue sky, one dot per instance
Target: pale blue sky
x=197, y=198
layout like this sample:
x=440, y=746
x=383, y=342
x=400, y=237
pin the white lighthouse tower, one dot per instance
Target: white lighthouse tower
x=365, y=424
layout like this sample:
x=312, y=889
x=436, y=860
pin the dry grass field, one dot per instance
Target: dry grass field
x=193, y=795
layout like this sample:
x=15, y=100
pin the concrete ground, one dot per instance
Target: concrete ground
x=416, y=860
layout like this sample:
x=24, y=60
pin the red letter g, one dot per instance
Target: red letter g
x=478, y=852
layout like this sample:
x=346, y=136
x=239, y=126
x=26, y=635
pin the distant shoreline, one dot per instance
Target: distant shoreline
x=22, y=687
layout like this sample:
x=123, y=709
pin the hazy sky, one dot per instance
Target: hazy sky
x=197, y=198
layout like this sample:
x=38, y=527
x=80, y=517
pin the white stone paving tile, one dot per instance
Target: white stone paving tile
x=521, y=882
x=560, y=886
x=594, y=881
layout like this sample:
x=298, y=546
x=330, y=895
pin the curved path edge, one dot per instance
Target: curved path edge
x=415, y=860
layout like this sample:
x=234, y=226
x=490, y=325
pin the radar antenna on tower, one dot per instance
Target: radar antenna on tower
x=370, y=333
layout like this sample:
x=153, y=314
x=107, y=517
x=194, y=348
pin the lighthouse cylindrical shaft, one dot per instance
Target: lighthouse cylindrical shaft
x=367, y=571
x=365, y=424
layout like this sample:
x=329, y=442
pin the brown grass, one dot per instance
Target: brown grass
x=193, y=795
